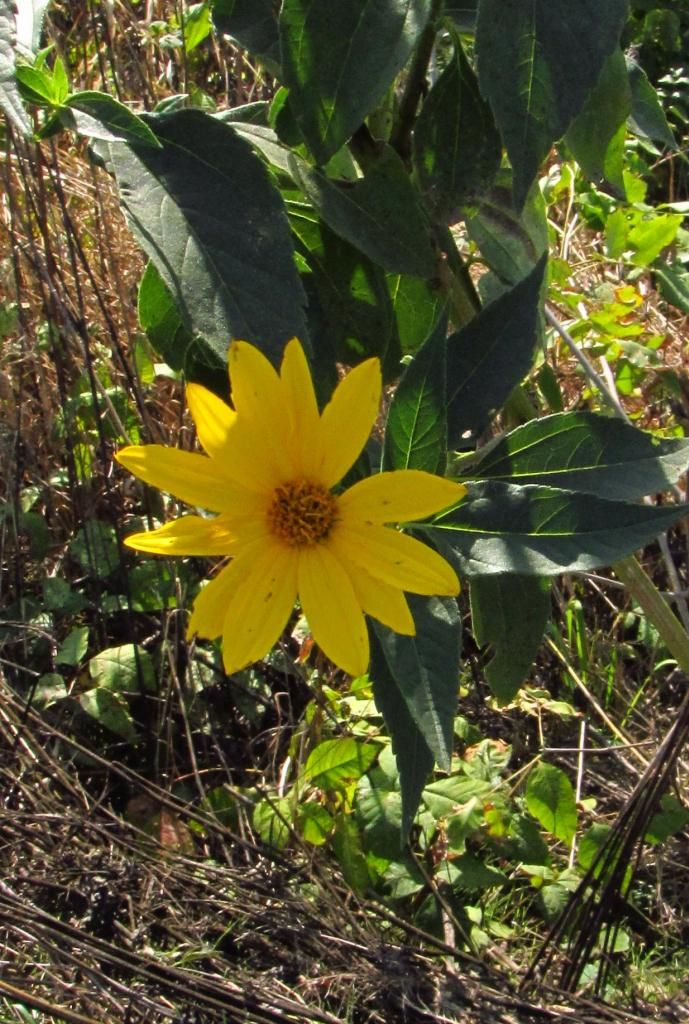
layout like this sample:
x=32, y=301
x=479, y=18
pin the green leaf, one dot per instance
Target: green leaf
x=509, y=612
x=109, y=710
x=674, y=286
x=161, y=319
x=425, y=669
x=338, y=761
x=511, y=243
x=490, y=356
x=418, y=307
x=315, y=822
x=339, y=60
x=649, y=237
x=36, y=85
x=442, y=797
x=378, y=809
x=100, y=116
x=252, y=24
x=58, y=596
x=50, y=689
x=541, y=531
x=596, y=136
x=550, y=800
x=197, y=26
x=74, y=646
x=582, y=451
x=456, y=146
x=204, y=210
x=525, y=843
x=537, y=61
x=380, y=214
x=124, y=669
x=470, y=873
x=271, y=820
x=96, y=549
x=346, y=843
x=416, y=427
x=670, y=819
x=358, y=319
x=647, y=116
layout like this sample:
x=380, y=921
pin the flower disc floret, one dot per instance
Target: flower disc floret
x=286, y=536
x=301, y=513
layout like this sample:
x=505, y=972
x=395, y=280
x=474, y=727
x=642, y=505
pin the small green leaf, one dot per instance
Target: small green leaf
x=470, y=873
x=315, y=822
x=380, y=214
x=100, y=116
x=550, y=800
x=649, y=237
x=125, y=669
x=416, y=427
x=59, y=596
x=511, y=242
x=36, y=85
x=444, y=797
x=509, y=612
x=74, y=646
x=109, y=710
x=197, y=26
x=457, y=147
x=490, y=356
x=582, y=451
x=670, y=819
x=674, y=285
x=50, y=689
x=419, y=309
x=339, y=60
x=541, y=531
x=334, y=763
x=378, y=810
x=271, y=820
x=96, y=549
x=647, y=115
x=346, y=843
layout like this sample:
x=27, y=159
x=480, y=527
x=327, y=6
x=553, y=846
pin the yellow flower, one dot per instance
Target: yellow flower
x=269, y=471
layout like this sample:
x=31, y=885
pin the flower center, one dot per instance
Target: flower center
x=301, y=513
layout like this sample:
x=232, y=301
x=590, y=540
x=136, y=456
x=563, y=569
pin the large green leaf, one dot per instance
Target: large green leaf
x=537, y=62
x=358, y=318
x=10, y=99
x=335, y=762
x=596, y=135
x=457, y=147
x=415, y=683
x=510, y=613
x=251, y=23
x=339, y=59
x=581, y=451
x=380, y=214
x=511, y=243
x=490, y=356
x=416, y=428
x=204, y=210
x=543, y=531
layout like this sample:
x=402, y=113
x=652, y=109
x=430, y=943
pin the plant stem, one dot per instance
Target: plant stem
x=400, y=136
x=646, y=594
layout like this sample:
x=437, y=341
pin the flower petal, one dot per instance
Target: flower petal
x=399, y=496
x=394, y=558
x=302, y=409
x=213, y=418
x=348, y=419
x=262, y=435
x=190, y=535
x=381, y=600
x=193, y=478
x=334, y=614
x=248, y=603
x=264, y=577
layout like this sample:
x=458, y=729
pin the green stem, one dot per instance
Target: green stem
x=647, y=596
x=400, y=136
